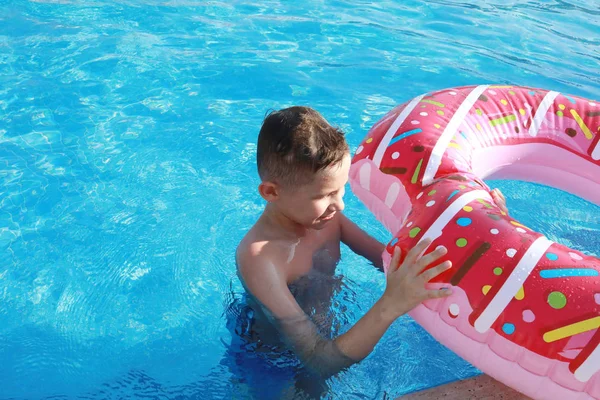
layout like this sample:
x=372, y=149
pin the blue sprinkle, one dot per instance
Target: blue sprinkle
x=452, y=194
x=551, y=256
x=531, y=92
x=393, y=242
x=572, y=100
x=405, y=135
x=567, y=272
x=464, y=221
x=463, y=135
x=508, y=328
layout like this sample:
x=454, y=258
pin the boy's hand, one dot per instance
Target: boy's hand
x=499, y=199
x=405, y=287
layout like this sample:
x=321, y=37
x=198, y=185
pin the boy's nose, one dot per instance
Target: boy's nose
x=339, y=204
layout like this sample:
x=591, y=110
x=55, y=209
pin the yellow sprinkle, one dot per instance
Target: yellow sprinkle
x=440, y=112
x=572, y=330
x=369, y=140
x=521, y=111
x=520, y=294
x=478, y=126
x=582, y=125
x=479, y=112
x=504, y=102
x=561, y=106
x=455, y=145
x=511, y=92
x=515, y=223
x=468, y=208
x=486, y=289
x=437, y=125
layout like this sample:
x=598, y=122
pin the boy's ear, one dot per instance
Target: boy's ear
x=269, y=191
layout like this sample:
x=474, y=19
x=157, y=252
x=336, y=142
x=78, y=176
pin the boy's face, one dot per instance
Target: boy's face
x=314, y=204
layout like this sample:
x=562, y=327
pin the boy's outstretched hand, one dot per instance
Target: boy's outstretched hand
x=405, y=288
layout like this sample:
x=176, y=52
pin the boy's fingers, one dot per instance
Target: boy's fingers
x=439, y=293
x=416, y=251
x=433, y=272
x=395, y=259
x=431, y=257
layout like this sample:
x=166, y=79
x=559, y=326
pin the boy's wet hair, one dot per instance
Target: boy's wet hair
x=295, y=143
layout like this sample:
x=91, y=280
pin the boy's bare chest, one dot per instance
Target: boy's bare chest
x=313, y=257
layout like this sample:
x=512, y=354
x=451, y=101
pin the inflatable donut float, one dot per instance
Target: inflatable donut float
x=524, y=310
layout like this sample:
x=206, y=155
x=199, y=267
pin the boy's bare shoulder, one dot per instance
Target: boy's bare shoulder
x=257, y=252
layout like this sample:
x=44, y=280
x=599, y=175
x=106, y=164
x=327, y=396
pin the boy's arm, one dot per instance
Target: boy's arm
x=361, y=242
x=405, y=289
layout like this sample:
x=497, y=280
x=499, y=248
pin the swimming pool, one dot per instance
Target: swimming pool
x=127, y=177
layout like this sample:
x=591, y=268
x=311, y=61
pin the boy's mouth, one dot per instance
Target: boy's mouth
x=327, y=217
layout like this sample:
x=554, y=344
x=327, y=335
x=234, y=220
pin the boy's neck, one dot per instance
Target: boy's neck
x=282, y=224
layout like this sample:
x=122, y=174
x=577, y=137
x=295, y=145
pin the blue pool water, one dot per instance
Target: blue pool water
x=127, y=176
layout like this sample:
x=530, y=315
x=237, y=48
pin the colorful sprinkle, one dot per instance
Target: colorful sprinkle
x=582, y=125
x=511, y=252
x=419, y=195
x=440, y=112
x=423, y=114
x=498, y=271
x=464, y=221
x=521, y=230
x=503, y=120
x=469, y=263
x=405, y=135
x=571, y=132
x=430, y=203
x=415, y=122
x=575, y=256
x=438, y=126
x=528, y=316
x=508, y=328
x=561, y=106
x=432, y=192
x=494, y=231
x=452, y=195
x=360, y=149
x=560, y=113
x=454, y=310
x=435, y=103
x=551, y=256
x=572, y=329
x=521, y=111
x=369, y=140
x=486, y=289
x=495, y=217
x=393, y=242
x=572, y=100
x=462, y=242
x=416, y=174
x=414, y=232
x=409, y=224
x=467, y=208
x=557, y=300
x=520, y=294
x=504, y=102
x=452, y=93
x=567, y=272
x=597, y=298
x=395, y=155
x=492, y=92
x=512, y=93
x=478, y=111
x=478, y=126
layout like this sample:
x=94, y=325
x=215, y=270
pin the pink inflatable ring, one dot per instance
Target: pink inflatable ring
x=524, y=310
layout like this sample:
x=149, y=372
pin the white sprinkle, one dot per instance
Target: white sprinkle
x=415, y=122
x=423, y=114
x=454, y=309
x=429, y=204
x=494, y=231
x=359, y=150
x=395, y=155
x=511, y=252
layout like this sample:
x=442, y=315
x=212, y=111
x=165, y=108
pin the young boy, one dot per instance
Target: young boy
x=287, y=260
